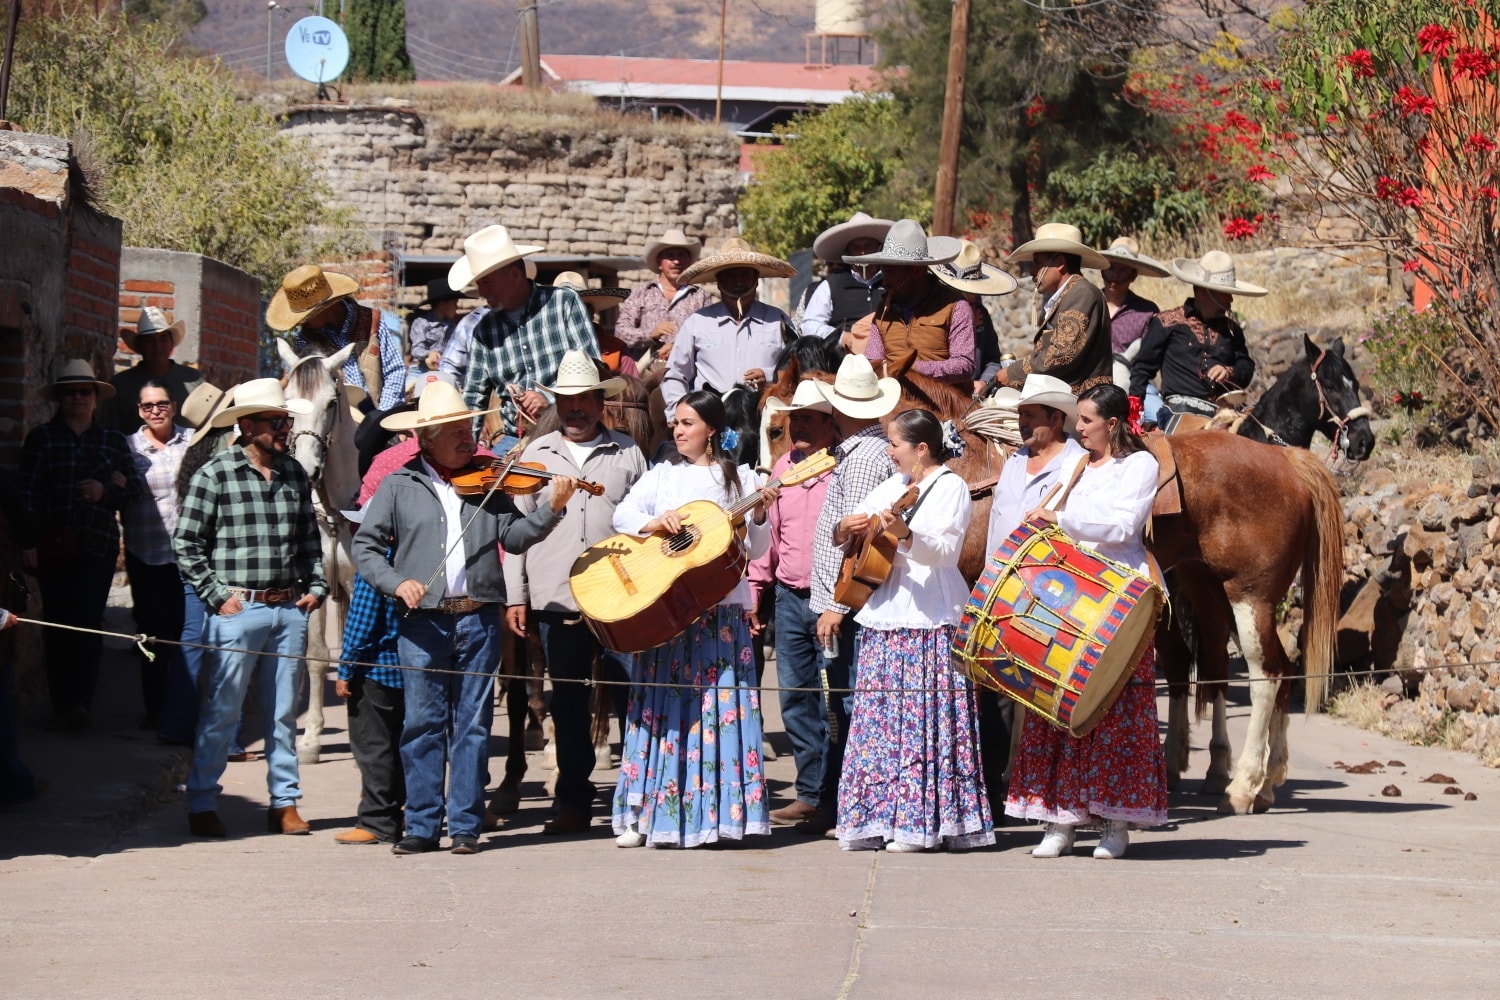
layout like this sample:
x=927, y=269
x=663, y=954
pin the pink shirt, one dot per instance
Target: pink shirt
x=389, y=461
x=792, y=517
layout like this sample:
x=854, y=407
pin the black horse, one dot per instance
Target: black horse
x=1318, y=393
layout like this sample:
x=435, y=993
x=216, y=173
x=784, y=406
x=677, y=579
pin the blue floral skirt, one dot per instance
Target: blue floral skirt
x=691, y=771
x=911, y=765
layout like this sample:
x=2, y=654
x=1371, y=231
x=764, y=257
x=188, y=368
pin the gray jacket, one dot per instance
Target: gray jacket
x=539, y=578
x=406, y=515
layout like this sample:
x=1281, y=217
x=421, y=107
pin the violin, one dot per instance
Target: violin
x=515, y=478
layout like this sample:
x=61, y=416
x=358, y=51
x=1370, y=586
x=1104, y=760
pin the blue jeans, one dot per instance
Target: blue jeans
x=447, y=712
x=569, y=647
x=278, y=635
x=1153, y=407
x=799, y=662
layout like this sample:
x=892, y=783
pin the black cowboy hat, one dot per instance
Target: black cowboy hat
x=438, y=290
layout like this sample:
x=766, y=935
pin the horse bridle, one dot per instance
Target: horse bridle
x=1325, y=410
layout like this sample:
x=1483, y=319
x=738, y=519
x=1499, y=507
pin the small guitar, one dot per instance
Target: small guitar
x=636, y=593
x=870, y=559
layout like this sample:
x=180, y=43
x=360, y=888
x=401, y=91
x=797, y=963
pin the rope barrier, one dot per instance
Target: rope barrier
x=141, y=640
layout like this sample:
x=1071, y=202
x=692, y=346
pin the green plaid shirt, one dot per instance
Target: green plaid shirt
x=238, y=529
x=505, y=352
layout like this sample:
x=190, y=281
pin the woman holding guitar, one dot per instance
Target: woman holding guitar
x=912, y=779
x=690, y=771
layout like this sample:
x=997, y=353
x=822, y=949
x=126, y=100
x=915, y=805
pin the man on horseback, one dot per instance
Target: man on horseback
x=1198, y=347
x=651, y=313
x=848, y=293
x=320, y=305
x=1072, y=342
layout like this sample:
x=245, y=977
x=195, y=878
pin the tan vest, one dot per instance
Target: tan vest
x=925, y=338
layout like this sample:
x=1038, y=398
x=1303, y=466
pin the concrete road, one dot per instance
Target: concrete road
x=1338, y=892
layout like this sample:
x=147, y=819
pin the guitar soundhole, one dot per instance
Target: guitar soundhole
x=679, y=543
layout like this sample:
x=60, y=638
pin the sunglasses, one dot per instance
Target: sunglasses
x=277, y=423
x=157, y=407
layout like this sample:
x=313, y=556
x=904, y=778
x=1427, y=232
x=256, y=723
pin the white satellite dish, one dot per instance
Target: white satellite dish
x=317, y=50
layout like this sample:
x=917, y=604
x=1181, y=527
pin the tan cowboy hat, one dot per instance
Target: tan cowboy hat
x=260, y=395
x=355, y=397
x=857, y=393
x=807, y=397
x=206, y=426
x=735, y=252
x=440, y=403
x=1127, y=253
x=303, y=292
x=1048, y=390
x=666, y=241
x=968, y=273
x=907, y=244
x=76, y=372
x=833, y=241
x=577, y=374
x=1059, y=237
x=1214, y=271
x=200, y=404
x=487, y=250
x=594, y=298
x=151, y=323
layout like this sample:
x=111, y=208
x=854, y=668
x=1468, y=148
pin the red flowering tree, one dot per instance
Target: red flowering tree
x=1389, y=111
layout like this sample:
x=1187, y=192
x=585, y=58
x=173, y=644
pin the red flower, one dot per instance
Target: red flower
x=1489, y=192
x=1474, y=64
x=1239, y=229
x=1411, y=265
x=1414, y=102
x=1409, y=197
x=1434, y=40
x=1387, y=188
x=1360, y=62
x=1331, y=118
x=1479, y=142
x=1260, y=173
x=1272, y=85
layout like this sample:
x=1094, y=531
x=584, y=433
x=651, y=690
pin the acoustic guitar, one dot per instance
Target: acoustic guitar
x=638, y=592
x=870, y=559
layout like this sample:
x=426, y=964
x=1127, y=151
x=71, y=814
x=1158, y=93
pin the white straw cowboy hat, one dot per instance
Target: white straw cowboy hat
x=1214, y=271
x=807, y=397
x=969, y=273
x=440, y=403
x=672, y=238
x=907, y=243
x=201, y=404
x=1059, y=237
x=735, y=252
x=152, y=323
x=487, y=250
x=303, y=292
x=577, y=374
x=260, y=395
x=833, y=241
x=594, y=298
x=1048, y=390
x=857, y=393
x=1127, y=253
x=77, y=372
x=206, y=426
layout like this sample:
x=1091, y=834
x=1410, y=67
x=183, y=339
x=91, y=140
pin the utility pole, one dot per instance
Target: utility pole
x=719, y=93
x=953, y=122
x=10, y=54
x=531, y=45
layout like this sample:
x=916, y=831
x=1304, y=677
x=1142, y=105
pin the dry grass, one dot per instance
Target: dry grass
x=1363, y=706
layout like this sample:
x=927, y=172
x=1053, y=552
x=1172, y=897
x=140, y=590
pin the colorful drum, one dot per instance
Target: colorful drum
x=1056, y=626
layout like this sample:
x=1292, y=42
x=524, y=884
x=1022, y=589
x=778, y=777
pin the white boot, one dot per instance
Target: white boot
x=632, y=837
x=1059, y=838
x=1114, y=840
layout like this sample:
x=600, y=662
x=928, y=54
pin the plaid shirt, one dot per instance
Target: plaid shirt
x=863, y=465
x=386, y=339
x=504, y=352
x=54, y=460
x=237, y=529
x=370, y=637
x=646, y=306
x=149, y=522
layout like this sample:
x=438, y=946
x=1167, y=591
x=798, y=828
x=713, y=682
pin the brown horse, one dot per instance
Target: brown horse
x=1252, y=516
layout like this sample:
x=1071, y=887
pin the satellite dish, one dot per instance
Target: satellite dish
x=317, y=50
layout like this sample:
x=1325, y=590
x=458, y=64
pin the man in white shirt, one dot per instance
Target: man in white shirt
x=1045, y=408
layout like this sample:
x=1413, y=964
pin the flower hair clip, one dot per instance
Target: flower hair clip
x=729, y=439
x=1135, y=416
x=952, y=440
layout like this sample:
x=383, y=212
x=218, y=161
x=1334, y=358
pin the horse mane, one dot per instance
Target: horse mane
x=305, y=377
x=944, y=400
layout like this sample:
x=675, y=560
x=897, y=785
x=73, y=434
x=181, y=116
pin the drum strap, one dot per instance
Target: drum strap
x=1056, y=500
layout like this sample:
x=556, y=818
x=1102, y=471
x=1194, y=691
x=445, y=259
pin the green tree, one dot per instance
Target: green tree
x=377, y=41
x=180, y=15
x=175, y=153
x=821, y=168
x=1040, y=94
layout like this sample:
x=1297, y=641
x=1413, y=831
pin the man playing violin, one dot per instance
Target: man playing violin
x=444, y=571
x=536, y=582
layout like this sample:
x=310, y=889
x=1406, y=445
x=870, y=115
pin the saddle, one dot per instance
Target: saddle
x=1168, y=481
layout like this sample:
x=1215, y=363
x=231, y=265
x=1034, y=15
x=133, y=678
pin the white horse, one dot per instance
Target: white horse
x=323, y=443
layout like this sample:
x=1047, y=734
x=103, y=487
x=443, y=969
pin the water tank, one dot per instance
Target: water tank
x=840, y=17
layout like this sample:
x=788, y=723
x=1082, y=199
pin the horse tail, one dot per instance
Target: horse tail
x=1322, y=574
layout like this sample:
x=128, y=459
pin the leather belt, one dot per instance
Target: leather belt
x=802, y=592
x=273, y=595
x=459, y=605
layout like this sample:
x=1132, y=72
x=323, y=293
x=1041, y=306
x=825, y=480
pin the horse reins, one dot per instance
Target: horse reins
x=1325, y=410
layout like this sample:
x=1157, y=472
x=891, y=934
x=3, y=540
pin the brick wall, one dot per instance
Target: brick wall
x=136, y=294
x=91, y=308
x=219, y=306
x=376, y=274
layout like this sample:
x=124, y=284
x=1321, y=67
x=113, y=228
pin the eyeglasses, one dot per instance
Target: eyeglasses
x=77, y=390
x=160, y=406
x=277, y=423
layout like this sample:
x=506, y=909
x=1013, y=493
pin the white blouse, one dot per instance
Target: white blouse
x=1108, y=507
x=669, y=485
x=925, y=588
